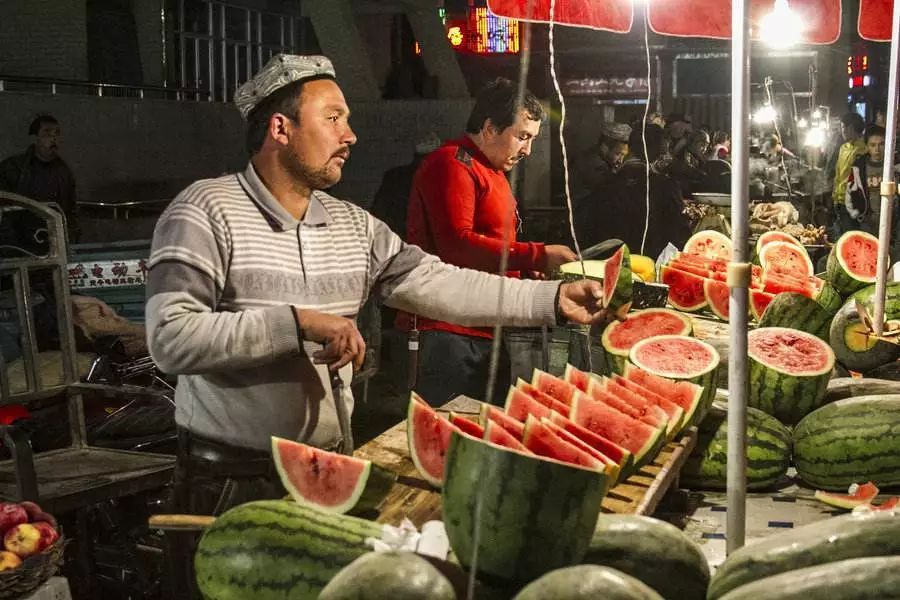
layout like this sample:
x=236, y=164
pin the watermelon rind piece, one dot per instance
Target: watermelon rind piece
x=575, y=376
x=854, y=345
x=611, y=467
x=800, y=263
x=862, y=494
x=618, y=284
x=513, y=517
x=573, y=271
x=848, y=441
x=617, y=354
x=710, y=244
x=828, y=298
x=685, y=289
x=799, y=312
x=712, y=291
x=543, y=441
x=629, y=402
x=839, y=273
x=689, y=396
x=427, y=433
x=773, y=236
x=759, y=301
x=788, y=393
x=674, y=411
x=308, y=473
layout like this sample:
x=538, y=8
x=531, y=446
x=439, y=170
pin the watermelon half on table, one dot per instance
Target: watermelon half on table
x=774, y=236
x=328, y=481
x=620, y=336
x=799, y=312
x=852, y=263
x=710, y=244
x=786, y=257
x=789, y=372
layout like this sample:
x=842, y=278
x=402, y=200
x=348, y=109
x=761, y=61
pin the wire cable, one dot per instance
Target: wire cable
x=644, y=132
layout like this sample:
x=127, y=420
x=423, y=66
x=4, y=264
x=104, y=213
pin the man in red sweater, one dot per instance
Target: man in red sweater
x=461, y=208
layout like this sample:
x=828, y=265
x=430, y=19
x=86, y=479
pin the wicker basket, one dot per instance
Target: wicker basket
x=33, y=571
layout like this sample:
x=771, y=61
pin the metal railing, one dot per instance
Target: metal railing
x=21, y=83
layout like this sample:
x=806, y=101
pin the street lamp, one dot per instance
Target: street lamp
x=781, y=28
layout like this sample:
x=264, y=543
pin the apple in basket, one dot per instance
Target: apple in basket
x=9, y=561
x=11, y=514
x=36, y=513
x=23, y=540
x=48, y=534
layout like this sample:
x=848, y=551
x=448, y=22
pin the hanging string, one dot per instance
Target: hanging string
x=644, y=131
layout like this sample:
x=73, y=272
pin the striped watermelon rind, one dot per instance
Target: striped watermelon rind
x=252, y=549
x=828, y=298
x=787, y=395
x=819, y=543
x=713, y=292
x=515, y=517
x=391, y=574
x=618, y=298
x=768, y=451
x=617, y=355
x=587, y=581
x=850, y=441
x=838, y=273
x=790, y=309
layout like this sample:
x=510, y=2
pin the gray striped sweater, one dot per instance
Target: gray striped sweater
x=227, y=265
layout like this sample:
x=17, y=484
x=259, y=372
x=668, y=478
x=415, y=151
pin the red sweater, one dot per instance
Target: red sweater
x=462, y=209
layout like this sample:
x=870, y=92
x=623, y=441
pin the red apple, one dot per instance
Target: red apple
x=24, y=540
x=11, y=514
x=48, y=534
x=36, y=513
x=8, y=560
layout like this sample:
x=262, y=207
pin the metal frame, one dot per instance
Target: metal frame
x=97, y=88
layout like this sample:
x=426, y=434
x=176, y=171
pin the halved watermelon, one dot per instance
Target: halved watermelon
x=787, y=256
x=620, y=336
x=497, y=434
x=644, y=409
x=553, y=386
x=492, y=413
x=467, y=425
x=759, y=300
x=622, y=456
x=853, y=262
x=717, y=295
x=541, y=440
x=711, y=244
x=775, y=236
x=544, y=398
x=685, y=289
x=617, y=282
x=673, y=411
x=642, y=440
x=428, y=436
x=577, y=377
x=612, y=468
x=600, y=394
x=855, y=496
x=331, y=482
x=519, y=405
x=685, y=394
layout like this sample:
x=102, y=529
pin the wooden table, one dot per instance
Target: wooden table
x=413, y=498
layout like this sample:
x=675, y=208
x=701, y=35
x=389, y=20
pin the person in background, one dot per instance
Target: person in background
x=392, y=198
x=597, y=167
x=854, y=146
x=864, y=190
x=721, y=146
x=461, y=209
x=41, y=174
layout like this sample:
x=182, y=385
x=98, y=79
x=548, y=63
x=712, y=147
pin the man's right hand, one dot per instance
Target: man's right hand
x=555, y=256
x=343, y=342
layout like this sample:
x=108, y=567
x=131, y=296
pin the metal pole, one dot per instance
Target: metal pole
x=738, y=276
x=888, y=186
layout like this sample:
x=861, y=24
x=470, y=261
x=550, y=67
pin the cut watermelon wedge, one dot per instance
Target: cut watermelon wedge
x=541, y=440
x=685, y=394
x=624, y=458
x=889, y=504
x=787, y=256
x=492, y=413
x=467, y=425
x=692, y=268
x=775, y=236
x=717, y=294
x=520, y=405
x=856, y=495
x=545, y=399
x=685, y=289
x=428, y=436
x=497, y=434
x=577, y=377
x=759, y=300
x=642, y=440
x=331, y=482
x=618, y=283
x=554, y=386
x=599, y=393
x=674, y=412
x=643, y=406
x=611, y=467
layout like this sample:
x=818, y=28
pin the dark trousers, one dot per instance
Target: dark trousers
x=841, y=222
x=451, y=364
x=211, y=477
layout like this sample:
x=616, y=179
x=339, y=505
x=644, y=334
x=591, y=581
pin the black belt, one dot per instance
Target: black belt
x=217, y=459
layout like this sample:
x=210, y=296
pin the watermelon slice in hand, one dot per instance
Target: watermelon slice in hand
x=855, y=496
x=328, y=481
x=618, y=282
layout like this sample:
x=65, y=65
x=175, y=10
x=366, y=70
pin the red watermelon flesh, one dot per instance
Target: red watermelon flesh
x=859, y=255
x=777, y=285
x=622, y=335
x=624, y=407
x=717, y=295
x=775, y=236
x=542, y=441
x=608, y=448
x=611, y=270
x=332, y=482
x=497, y=434
x=467, y=425
x=492, y=413
x=674, y=412
x=545, y=399
x=644, y=408
x=685, y=289
x=863, y=494
x=554, y=386
x=685, y=394
x=787, y=256
x=759, y=301
x=889, y=504
x=611, y=467
x=635, y=436
x=790, y=351
x=428, y=436
x=577, y=377
x=676, y=356
x=712, y=244
x=693, y=269
x=519, y=405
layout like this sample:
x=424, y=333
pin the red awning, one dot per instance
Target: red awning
x=875, y=20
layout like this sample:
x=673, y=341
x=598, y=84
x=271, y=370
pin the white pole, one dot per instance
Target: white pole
x=738, y=276
x=888, y=186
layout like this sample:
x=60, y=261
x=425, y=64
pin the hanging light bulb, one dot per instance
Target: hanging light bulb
x=765, y=114
x=782, y=27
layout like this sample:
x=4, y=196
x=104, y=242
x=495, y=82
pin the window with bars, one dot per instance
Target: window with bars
x=218, y=45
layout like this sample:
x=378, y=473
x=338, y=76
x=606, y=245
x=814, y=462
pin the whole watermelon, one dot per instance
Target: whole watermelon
x=587, y=582
x=395, y=575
